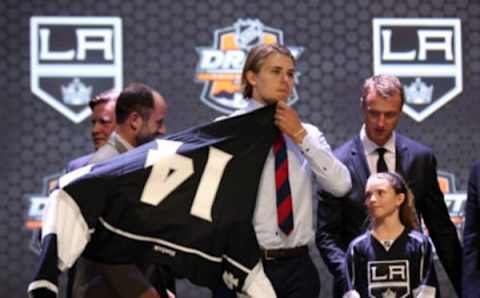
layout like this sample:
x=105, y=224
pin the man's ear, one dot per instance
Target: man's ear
x=135, y=121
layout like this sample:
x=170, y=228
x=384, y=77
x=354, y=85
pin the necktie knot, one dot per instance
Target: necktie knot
x=381, y=164
x=381, y=151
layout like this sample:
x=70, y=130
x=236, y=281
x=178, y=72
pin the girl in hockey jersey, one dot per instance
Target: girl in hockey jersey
x=392, y=259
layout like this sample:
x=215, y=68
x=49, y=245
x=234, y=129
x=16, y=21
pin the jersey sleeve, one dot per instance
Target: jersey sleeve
x=349, y=273
x=428, y=284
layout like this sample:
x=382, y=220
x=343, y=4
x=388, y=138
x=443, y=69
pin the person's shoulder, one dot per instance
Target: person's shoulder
x=343, y=151
x=79, y=162
x=233, y=114
x=105, y=152
x=476, y=166
x=418, y=237
x=474, y=171
x=413, y=145
x=360, y=240
x=310, y=127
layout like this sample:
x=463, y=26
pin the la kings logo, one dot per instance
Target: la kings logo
x=426, y=55
x=73, y=58
x=388, y=279
x=220, y=66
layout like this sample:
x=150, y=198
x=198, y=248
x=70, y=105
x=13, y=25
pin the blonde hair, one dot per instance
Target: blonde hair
x=254, y=62
x=385, y=86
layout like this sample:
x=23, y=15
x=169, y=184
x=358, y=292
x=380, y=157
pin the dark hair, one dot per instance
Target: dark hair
x=136, y=97
x=385, y=86
x=408, y=215
x=105, y=96
x=255, y=59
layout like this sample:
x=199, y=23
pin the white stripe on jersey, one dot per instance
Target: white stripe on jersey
x=42, y=284
x=159, y=241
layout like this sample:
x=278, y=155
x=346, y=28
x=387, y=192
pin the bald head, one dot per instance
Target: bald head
x=140, y=113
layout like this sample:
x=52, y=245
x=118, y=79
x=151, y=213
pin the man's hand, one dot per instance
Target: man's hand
x=286, y=119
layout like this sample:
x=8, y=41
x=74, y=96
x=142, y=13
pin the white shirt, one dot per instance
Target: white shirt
x=370, y=152
x=312, y=156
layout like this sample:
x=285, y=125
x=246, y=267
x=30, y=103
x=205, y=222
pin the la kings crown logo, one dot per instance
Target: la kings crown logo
x=426, y=55
x=220, y=66
x=73, y=58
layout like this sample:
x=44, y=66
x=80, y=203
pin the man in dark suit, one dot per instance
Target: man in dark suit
x=103, y=124
x=342, y=219
x=140, y=114
x=471, y=236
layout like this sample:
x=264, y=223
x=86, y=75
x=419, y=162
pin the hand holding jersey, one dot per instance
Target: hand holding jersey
x=286, y=119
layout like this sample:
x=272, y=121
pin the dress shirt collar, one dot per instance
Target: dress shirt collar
x=127, y=145
x=369, y=146
x=253, y=105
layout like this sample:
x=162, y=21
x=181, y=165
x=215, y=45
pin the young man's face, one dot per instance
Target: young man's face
x=381, y=116
x=275, y=79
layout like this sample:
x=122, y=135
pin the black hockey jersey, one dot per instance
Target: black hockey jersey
x=185, y=201
x=402, y=269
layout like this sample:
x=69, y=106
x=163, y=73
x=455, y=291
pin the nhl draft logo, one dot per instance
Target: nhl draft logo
x=38, y=202
x=220, y=66
x=454, y=199
x=73, y=58
x=426, y=55
x=388, y=279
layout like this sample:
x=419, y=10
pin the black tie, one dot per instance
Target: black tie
x=381, y=164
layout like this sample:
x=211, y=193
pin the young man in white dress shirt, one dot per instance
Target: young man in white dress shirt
x=268, y=78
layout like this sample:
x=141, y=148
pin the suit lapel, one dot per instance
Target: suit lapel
x=359, y=161
x=401, y=156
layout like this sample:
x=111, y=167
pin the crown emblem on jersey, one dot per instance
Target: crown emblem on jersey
x=248, y=33
x=389, y=294
x=230, y=280
x=76, y=93
x=418, y=93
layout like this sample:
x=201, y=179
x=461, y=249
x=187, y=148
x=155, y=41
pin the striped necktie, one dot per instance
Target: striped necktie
x=284, y=196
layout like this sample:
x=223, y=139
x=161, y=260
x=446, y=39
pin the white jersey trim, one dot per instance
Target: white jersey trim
x=42, y=284
x=63, y=218
x=159, y=241
x=257, y=284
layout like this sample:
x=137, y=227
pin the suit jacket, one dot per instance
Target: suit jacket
x=471, y=236
x=112, y=148
x=342, y=219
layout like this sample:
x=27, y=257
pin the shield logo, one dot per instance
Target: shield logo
x=73, y=58
x=388, y=279
x=220, y=66
x=426, y=55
